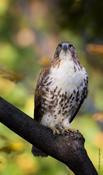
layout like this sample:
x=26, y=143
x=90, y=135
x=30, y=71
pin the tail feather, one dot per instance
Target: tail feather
x=38, y=152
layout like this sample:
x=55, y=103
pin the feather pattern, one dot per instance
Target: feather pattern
x=61, y=89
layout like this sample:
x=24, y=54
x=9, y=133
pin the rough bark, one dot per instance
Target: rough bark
x=67, y=148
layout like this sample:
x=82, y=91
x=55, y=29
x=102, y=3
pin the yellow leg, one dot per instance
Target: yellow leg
x=56, y=131
x=65, y=129
x=73, y=130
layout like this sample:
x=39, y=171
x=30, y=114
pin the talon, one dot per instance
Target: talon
x=65, y=129
x=73, y=130
x=56, y=131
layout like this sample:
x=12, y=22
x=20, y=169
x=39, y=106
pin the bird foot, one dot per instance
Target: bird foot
x=65, y=129
x=73, y=130
x=56, y=131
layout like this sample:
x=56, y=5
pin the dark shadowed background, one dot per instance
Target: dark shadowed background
x=29, y=33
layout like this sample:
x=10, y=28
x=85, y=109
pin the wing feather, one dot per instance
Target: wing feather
x=39, y=93
x=84, y=95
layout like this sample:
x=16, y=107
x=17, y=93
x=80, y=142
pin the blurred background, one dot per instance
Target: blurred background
x=29, y=33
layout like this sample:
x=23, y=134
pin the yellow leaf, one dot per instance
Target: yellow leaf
x=6, y=86
x=29, y=106
x=3, y=163
x=99, y=140
x=17, y=146
x=27, y=163
x=44, y=61
x=3, y=6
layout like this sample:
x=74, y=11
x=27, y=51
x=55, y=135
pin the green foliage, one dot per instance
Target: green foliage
x=80, y=16
x=29, y=33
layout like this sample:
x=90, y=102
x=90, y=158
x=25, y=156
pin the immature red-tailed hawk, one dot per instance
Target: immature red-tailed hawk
x=61, y=89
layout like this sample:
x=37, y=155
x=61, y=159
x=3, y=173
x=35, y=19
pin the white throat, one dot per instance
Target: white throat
x=65, y=76
x=65, y=55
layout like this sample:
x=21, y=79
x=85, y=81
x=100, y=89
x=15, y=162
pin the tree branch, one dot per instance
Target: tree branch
x=67, y=148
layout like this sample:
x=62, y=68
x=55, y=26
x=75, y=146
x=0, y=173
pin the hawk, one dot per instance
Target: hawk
x=60, y=91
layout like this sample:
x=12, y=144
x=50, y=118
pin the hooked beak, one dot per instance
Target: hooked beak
x=65, y=47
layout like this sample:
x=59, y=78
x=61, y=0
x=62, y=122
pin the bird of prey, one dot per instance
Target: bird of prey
x=60, y=91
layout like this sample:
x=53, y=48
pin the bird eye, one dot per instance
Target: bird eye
x=70, y=45
x=60, y=45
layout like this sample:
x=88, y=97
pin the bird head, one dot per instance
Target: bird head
x=65, y=50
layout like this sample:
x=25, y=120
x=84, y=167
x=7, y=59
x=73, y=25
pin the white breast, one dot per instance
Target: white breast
x=65, y=76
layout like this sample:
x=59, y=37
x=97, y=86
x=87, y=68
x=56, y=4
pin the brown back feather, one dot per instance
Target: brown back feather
x=39, y=92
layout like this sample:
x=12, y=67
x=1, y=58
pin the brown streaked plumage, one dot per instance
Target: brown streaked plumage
x=60, y=91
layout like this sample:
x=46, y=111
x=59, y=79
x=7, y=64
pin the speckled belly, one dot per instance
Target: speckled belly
x=60, y=106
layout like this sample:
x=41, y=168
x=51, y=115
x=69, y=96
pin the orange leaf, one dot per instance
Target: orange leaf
x=99, y=140
x=95, y=48
x=98, y=116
